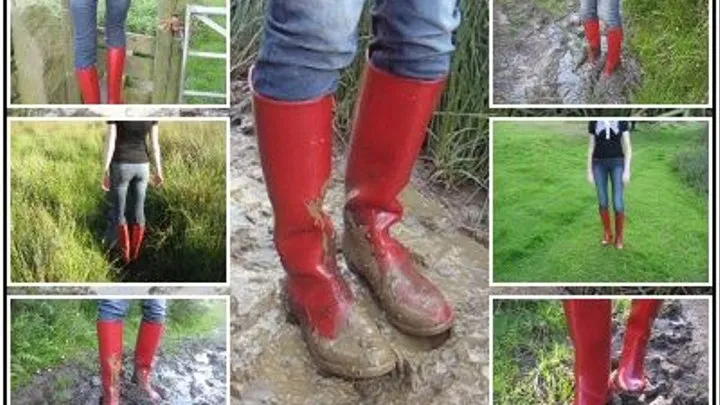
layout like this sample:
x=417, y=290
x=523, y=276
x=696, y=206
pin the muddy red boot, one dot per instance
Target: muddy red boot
x=615, y=41
x=295, y=141
x=137, y=235
x=619, y=230
x=148, y=342
x=389, y=129
x=630, y=375
x=115, y=72
x=607, y=234
x=124, y=242
x=592, y=37
x=89, y=84
x=589, y=325
x=110, y=344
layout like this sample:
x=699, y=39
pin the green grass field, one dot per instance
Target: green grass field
x=546, y=226
x=532, y=353
x=47, y=333
x=60, y=215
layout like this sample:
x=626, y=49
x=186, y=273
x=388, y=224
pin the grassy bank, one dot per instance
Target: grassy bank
x=532, y=354
x=670, y=38
x=546, y=225
x=48, y=333
x=457, y=143
x=61, y=218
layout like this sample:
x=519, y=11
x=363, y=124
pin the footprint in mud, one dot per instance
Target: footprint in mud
x=677, y=361
x=193, y=373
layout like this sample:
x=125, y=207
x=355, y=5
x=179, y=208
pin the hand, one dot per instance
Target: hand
x=626, y=177
x=590, y=177
x=105, y=183
x=158, y=180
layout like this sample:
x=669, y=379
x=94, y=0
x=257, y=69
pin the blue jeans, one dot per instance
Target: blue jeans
x=84, y=17
x=604, y=169
x=154, y=310
x=609, y=11
x=123, y=177
x=308, y=42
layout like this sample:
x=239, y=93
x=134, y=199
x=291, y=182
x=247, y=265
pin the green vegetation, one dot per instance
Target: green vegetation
x=60, y=215
x=545, y=221
x=532, y=352
x=670, y=38
x=48, y=333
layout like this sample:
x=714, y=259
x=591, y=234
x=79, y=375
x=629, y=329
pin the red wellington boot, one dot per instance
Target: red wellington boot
x=615, y=41
x=607, y=235
x=124, y=242
x=592, y=37
x=630, y=375
x=389, y=129
x=148, y=341
x=115, y=72
x=295, y=141
x=110, y=343
x=619, y=229
x=137, y=235
x=590, y=325
x=89, y=84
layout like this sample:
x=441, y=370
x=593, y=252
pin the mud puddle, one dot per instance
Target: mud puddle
x=677, y=360
x=193, y=372
x=539, y=58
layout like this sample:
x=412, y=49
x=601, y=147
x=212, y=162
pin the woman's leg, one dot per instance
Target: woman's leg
x=84, y=18
x=610, y=11
x=600, y=175
x=630, y=375
x=306, y=43
x=590, y=328
x=618, y=201
x=115, y=16
x=403, y=82
x=591, y=23
x=120, y=176
x=139, y=185
x=110, y=325
x=149, y=337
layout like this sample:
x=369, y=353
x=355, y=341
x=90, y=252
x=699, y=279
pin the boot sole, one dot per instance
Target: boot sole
x=403, y=327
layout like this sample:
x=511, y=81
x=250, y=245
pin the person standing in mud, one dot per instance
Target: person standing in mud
x=306, y=45
x=126, y=169
x=110, y=327
x=84, y=18
x=609, y=11
x=590, y=327
x=609, y=157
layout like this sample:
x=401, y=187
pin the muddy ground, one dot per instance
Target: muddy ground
x=193, y=372
x=538, y=58
x=677, y=361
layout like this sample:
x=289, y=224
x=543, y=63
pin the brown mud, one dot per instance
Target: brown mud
x=194, y=372
x=538, y=58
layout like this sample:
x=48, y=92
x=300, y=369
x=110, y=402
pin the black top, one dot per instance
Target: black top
x=130, y=146
x=608, y=138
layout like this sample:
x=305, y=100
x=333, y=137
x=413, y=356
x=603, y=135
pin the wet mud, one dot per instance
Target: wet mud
x=539, y=58
x=677, y=360
x=194, y=372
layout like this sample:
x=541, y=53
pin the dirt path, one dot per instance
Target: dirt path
x=538, y=58
x=677, y=361
x=194, y=372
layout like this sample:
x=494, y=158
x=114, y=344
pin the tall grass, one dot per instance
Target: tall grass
x=61, y=217
x=47, y=333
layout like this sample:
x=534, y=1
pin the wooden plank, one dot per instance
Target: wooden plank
x=168, y=55
x=139, y=44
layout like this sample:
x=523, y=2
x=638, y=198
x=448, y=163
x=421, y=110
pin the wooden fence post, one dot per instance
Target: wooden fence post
x=72, y=88
x=168, y=55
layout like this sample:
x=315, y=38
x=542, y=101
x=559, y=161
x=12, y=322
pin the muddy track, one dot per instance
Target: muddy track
x=677, y=361
x=194, y=372
x=539, y=59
